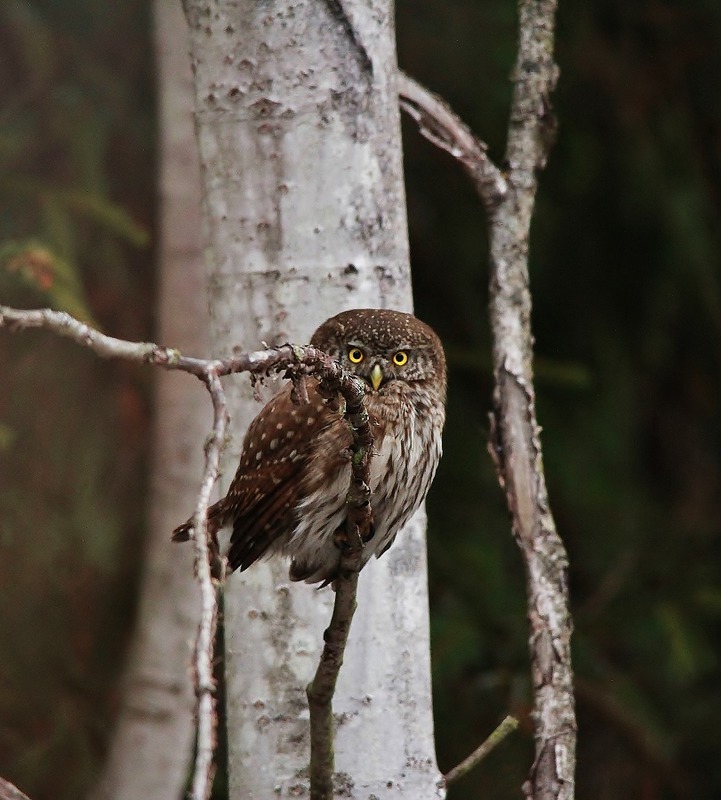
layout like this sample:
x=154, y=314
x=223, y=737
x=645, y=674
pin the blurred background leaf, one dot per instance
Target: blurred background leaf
x=76, y=215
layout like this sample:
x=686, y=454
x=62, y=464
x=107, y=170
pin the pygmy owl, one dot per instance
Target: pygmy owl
x=289, y=493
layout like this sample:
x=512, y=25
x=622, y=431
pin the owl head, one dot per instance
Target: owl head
x=386, y=349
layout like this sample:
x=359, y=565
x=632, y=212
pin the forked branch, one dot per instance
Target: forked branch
x=515, y=444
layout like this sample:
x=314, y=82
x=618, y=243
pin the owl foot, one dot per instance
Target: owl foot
x=340, y=537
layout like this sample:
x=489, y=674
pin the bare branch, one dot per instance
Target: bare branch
x=204, y=683
x=106, y=346
x=515, y=443
x=297, y=361
x=322, y=688
x=442, y=126
x=508, y=725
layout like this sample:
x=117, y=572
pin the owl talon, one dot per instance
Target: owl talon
x=340, y=537
x=370, y=534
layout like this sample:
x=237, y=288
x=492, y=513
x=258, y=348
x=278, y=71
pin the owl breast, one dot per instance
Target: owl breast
x=407, y=430
x=289, y=492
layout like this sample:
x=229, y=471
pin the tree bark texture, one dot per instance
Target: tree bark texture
x=515, y=440
x=297, y=120
x=151, y=747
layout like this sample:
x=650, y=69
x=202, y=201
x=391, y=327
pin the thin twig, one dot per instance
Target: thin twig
x=442, y=126
x=508, y=725
x=322, y=688
x=297, y=361
x=204, y=682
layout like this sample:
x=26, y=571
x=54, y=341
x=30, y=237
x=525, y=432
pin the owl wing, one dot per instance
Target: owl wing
x=268, y=485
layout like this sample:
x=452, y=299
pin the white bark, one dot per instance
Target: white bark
x=297, y=118
x=151, y=748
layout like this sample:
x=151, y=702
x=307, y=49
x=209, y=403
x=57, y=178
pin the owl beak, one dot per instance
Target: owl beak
x=376, y=376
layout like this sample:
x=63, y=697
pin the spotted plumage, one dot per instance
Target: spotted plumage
x=288, y=494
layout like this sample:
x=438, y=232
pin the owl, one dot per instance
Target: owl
x=288, y=495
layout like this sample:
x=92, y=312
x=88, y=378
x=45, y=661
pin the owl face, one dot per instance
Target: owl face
x=386, y=349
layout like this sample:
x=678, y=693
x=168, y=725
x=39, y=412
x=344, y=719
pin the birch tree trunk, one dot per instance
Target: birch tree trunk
x=151, y=746
x=297, y=119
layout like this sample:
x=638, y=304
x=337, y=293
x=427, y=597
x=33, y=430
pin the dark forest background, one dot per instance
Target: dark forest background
x=626, y=280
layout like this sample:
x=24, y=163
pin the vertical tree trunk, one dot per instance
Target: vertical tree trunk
x=152, y=744
x=297, y=118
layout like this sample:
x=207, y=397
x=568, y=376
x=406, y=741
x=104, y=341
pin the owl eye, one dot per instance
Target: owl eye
x=400, y=358
x=355, y=355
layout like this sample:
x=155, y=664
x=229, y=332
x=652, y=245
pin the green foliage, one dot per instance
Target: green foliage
x=49, y=279
x=76, y=200
x=62, y=101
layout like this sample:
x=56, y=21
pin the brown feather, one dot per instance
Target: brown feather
x=269, y=481
x=289, y=492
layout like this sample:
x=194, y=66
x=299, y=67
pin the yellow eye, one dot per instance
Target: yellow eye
x=400, y=358
x=355, y=355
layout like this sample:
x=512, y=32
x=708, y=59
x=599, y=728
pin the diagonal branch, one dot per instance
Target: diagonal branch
x=442, y=126
x=506, y=726
x=297, y=362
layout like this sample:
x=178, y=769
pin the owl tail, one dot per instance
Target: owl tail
x=182, y=532
x=215, y=520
